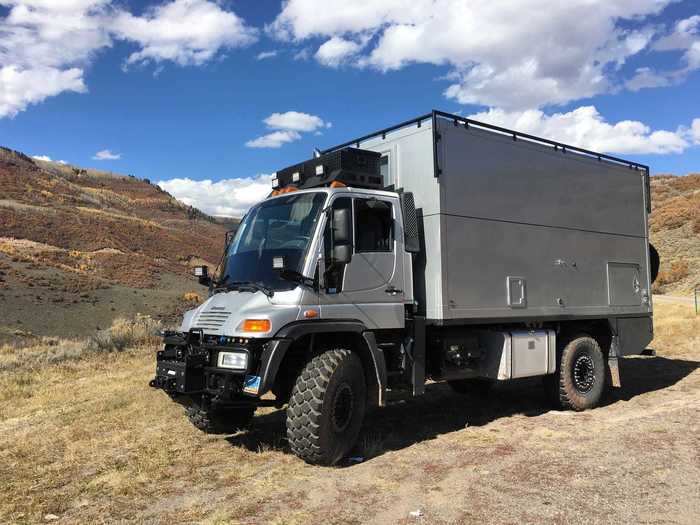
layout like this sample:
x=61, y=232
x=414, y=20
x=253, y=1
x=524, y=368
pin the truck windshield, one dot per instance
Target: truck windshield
x=281, y=227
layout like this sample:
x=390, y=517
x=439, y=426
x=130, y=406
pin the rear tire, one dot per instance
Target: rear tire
x=220, y=420
x=581, y=376
x=327, y=407
x=476, y=387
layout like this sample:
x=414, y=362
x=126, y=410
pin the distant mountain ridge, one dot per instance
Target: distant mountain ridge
x=119, y=227
x=80, y=247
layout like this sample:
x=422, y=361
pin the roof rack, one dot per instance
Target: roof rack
x=467, y=122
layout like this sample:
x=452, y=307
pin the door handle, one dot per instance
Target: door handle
x=392, y=290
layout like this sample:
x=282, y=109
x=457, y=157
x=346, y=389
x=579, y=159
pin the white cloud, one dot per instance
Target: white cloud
x=266, y=54
x=685, y=37
x=42, y=33
x=273, y=140
x=289, y=125
x=695, y=131
x=45, y=45
x=692, y=56
x=105, y=154
x=303, y=54
x=46, y=158
x=646, y=77
x=510, y=53
x=228, y=197
x=685, y=33
x=21, y=87
x=296, y=121
x=43, y=48
x=585, y=127
x=336, y=51
x=187, y=32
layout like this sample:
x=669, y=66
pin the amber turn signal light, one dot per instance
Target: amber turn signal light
x=256, y=325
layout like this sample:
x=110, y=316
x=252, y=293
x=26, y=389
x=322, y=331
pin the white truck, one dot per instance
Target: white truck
x=439, y=249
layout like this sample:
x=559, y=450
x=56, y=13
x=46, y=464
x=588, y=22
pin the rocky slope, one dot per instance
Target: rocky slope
x=675, y=231
x=78, y=247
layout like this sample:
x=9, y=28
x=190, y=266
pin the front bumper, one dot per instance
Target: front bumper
x=183, y=367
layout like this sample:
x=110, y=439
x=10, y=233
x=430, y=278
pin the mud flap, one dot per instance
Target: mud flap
x=613, y=367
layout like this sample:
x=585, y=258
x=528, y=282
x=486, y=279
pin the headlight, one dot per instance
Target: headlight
x=235, y=360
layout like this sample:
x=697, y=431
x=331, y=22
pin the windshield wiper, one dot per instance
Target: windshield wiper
x=250, y=286
x=296, y=277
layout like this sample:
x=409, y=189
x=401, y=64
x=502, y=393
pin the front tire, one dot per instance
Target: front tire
x=327, y=407
x=581, y=377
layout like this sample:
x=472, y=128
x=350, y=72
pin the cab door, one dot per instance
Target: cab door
x=371, y=286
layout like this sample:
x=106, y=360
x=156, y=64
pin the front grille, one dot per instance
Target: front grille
x=212, y=320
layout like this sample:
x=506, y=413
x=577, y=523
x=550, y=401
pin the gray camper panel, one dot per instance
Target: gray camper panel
x=515, y=229
x=571, y=228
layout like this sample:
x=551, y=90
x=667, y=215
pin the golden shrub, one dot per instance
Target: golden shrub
x=126, y=333
x=192, y=297
x=678, y=270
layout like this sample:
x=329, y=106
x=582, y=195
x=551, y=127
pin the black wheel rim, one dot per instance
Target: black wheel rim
x=343, y=404
x=584, y=373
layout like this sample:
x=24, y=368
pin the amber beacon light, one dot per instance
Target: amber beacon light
x=256, y=325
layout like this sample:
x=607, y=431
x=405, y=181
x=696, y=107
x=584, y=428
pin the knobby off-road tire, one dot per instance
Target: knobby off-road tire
x=220, y=420
x=475, y=387
x=327, y=407
x=580, y=380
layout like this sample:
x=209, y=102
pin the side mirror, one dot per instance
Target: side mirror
x=202, y=274
x=342, y=236
x=342, y=253
x=342, y=226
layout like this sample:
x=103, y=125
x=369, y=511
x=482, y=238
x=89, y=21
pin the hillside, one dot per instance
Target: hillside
x=675, y=231
x=80, y=247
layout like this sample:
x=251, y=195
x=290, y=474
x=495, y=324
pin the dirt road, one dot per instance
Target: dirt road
x=87, y=441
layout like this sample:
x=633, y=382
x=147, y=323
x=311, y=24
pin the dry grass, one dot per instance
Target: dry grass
x=85, y=439
x=676, y=330
x=126, y=333
x=40, y=352
x=89, y=441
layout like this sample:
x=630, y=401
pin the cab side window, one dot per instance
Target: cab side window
x=374, y=226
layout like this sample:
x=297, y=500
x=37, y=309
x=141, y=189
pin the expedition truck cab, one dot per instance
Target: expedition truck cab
x=343, y=290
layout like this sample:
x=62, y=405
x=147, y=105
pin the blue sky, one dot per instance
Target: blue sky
x=177, y=91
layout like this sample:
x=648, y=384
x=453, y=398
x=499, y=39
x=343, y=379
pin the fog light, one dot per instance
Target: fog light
x=234, y=360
